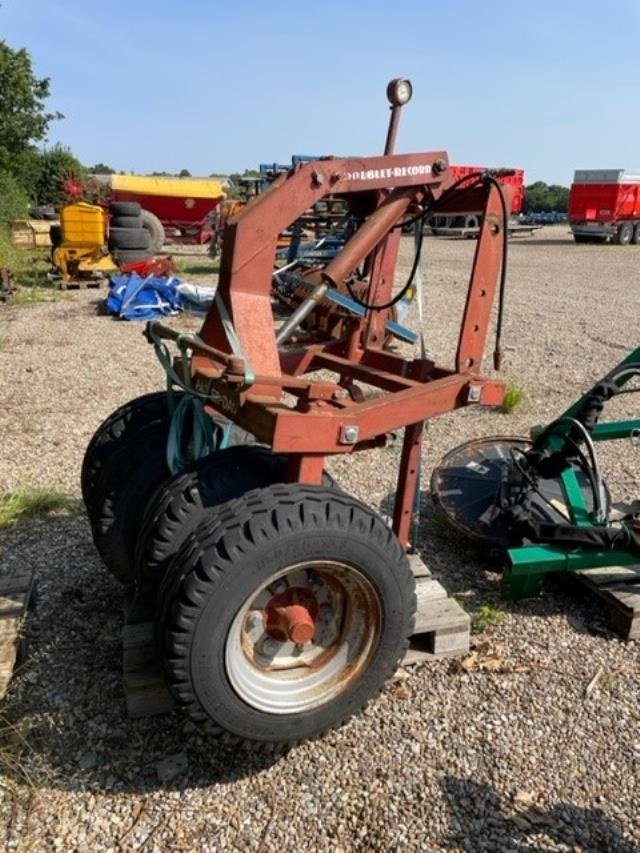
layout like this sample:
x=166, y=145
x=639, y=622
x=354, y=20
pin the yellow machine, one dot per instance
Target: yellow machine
x=82, y=252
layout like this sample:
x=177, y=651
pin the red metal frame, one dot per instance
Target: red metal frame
x=309, y=418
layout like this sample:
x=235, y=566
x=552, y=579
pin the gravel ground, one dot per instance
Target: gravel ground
x=508, y=752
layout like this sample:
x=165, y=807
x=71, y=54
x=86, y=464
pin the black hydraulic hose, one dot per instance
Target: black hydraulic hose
x=370, y=306
x=477, y=178
x=497, y=352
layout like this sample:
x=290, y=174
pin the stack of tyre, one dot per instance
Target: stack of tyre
x=134, y=233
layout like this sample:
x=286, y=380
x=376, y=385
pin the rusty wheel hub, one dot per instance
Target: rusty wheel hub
x=301, y=638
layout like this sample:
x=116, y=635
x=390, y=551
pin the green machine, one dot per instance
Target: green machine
x=543, y=503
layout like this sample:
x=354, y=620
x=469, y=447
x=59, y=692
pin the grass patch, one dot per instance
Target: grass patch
x=488, y=614
x=187, y=268
x=30, y=503
x=513, y=398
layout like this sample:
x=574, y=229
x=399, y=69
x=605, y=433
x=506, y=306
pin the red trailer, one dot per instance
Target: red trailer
x=184, y=206
x=467, y=222
x=605, y=204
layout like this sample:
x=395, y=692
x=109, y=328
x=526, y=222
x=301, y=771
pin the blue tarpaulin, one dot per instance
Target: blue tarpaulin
x=132, y=297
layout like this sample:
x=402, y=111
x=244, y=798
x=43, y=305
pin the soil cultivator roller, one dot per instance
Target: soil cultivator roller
x=282, y=603
x=544, y=501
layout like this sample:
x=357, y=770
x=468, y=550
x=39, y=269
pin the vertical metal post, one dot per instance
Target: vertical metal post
x=407, y=482
x=392, y=130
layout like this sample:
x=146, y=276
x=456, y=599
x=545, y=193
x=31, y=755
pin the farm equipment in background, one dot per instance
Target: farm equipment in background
x=178, y=210
x=605, y=204
x=282, y=604
x=80, y=244
x=542, y=503
x=467, y=223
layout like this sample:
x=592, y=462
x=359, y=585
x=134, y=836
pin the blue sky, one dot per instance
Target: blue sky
x=217, y=87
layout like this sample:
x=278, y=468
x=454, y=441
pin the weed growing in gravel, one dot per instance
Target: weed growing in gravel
x=513, y=397
x=17, y=781
x=487, y=615
x=28, y=503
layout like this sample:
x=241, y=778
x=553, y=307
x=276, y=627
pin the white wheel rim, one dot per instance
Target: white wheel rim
x=280, y=677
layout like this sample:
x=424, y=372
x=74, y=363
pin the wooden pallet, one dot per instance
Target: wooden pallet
x=15, y=593
x=619, y=588
x=441, y=630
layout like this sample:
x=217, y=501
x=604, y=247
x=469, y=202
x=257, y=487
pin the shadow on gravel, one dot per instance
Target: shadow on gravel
x=479, y=820
x=67, y=724
x=472, y=574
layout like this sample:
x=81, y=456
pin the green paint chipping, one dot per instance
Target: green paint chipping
x=487, y=615
x=513, y=397
x=30, y=503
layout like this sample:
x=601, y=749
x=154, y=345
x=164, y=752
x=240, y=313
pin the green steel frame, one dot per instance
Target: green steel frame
x=528, y=564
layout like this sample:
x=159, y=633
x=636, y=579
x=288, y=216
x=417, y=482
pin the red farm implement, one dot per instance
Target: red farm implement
x=184, y=206
x=282, y=603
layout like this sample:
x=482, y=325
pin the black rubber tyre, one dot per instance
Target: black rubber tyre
x=124, y=208
x=351, y=561
x=182, y=503
x=636, y=234
x=126, y=222
x=129, y=238
x=55, y=235
x=135, y=470
x=131, y=256
x=120, y=427
x=624, y=234
x=156, y=231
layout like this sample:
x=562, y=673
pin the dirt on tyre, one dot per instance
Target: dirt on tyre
x=285, y=613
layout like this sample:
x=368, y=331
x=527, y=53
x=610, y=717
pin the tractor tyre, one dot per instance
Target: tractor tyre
x=126, y=222
x=624, y=234
x=154, y=226
x=285, y=613
x=124, y=208
x=636, y=234
x=134, y=472
x=184, y=501
x=130, y=256
x=181, y=504
x=129, y=238
x=121, y=427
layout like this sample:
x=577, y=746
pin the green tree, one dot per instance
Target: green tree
x=541, y=197
x=53, y=167
x=184, y=173
x=101, y=169
x=24, y=119
x=14, y=201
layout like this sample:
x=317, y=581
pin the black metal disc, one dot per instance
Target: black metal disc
x=467, y=487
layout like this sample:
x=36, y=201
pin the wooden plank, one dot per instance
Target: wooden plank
x=608, y=575
x=15, y=589
x=12, y=603
x=418, y=568
x=19, y=581
x=137, y=635
x=149, y=701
